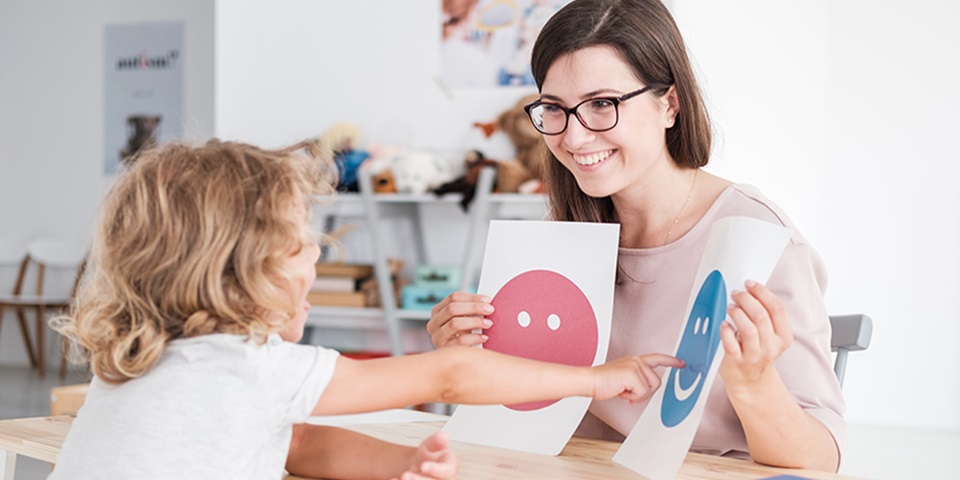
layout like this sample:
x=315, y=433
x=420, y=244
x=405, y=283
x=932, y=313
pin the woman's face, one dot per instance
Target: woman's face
x=608, y=163
x=301, y=262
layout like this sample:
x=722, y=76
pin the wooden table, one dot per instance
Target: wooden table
x=42, y=437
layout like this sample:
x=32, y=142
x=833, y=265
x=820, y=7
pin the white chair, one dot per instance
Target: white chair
x=849, y=333
x=45, y=258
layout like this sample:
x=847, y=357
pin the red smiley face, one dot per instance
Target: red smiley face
x=544, y=316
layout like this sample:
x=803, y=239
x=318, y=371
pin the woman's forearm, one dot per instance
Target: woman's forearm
x=778, y=431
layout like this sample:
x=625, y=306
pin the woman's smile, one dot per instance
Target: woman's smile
x=590, y=159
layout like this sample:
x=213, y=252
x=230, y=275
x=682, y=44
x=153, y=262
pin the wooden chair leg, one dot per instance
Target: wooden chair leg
x=41, y=340
x=64, y=347
x=25, y=332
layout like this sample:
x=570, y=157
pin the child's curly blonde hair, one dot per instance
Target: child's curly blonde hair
x=190, y=241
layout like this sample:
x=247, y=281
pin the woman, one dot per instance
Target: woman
x=624, y=120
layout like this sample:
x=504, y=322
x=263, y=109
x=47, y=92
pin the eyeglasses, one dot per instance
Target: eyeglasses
x=601, y=113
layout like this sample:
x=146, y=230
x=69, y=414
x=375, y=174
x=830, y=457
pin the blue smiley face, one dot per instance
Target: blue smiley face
x=697, y=347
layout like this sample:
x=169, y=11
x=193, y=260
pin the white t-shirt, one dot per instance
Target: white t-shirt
x=215, y=406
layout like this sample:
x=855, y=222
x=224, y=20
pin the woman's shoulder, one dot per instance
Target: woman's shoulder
x=748, y=200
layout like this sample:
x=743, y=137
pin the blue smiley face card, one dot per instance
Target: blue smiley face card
x=738, y=249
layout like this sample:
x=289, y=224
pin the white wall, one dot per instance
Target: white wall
x=894, y=207
x=842, y=112
x=288, y=69
x=51, y=112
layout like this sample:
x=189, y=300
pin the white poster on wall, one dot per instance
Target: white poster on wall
x=551, y=305
x=487, y=43
x=142, y=88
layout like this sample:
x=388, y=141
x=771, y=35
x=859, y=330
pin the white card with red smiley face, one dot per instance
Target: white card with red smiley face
x=738, y=249
x=551, y=284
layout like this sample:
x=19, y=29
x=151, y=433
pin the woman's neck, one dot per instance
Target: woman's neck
x=662, y=209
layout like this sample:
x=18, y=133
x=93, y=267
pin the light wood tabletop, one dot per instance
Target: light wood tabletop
x=42, y=437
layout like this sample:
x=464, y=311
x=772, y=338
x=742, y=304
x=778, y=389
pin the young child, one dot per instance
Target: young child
x=202, y=260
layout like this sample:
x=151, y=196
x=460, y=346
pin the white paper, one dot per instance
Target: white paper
x=738, y=249
x=545, y=278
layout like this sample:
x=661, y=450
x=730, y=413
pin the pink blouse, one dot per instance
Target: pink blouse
x=648, y=313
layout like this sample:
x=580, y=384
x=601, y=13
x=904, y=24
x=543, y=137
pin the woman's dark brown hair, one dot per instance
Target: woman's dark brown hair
x=646, y=37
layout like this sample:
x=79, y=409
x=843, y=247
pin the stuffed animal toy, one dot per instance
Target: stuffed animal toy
x=467, y=183
x=383, y=182
x=419, y=172
x=406, y=171
x=342, y=141
x=523, y=173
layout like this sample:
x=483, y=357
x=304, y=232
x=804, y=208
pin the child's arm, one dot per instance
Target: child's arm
x=475, y=376
x=331, y=452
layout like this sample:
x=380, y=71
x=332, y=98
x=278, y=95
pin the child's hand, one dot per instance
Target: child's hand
x=433, y=460
x=631, y=378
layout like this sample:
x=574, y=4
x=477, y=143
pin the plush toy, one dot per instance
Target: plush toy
x=383, y=182
x=523, y=173
x=418, y=171
x=519, y=174
x=406, y=171
x=467, y=183
x=342, y=141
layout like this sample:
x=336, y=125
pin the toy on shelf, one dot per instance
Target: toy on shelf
x=342, y=142
x=406, y=170
x=523, y=173
x=383, y=182
x=520, y=174
x=467, y=183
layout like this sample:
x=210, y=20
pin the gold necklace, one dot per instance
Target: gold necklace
x=689, y=194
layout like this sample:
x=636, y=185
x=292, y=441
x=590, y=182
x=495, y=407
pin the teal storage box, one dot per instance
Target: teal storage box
x=419, y=297
x=437, y=277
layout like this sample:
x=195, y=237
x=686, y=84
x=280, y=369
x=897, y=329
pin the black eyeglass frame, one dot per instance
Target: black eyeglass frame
x=573, y=111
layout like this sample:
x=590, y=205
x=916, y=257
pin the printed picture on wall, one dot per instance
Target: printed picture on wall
x=487, y=43
x=143, y=89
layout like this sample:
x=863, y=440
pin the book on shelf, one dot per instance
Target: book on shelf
x=349, y=270
x=329, y=283
x=337, y=299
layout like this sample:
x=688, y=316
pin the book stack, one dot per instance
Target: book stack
x=340, y=285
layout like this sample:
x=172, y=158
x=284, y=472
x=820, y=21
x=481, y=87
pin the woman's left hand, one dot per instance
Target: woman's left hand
x=762, y=334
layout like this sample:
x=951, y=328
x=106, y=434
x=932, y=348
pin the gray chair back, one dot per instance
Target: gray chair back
x=850, y=333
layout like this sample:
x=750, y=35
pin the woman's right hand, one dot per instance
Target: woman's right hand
x=454, y=319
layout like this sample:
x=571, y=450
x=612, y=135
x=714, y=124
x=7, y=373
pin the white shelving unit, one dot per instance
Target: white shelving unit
x=374, y=207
